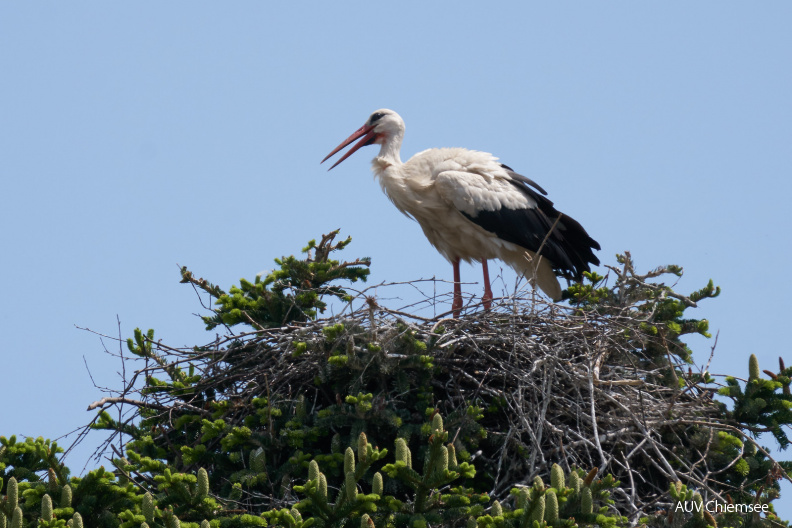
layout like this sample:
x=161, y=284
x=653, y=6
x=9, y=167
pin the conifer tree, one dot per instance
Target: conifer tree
x=529, y=415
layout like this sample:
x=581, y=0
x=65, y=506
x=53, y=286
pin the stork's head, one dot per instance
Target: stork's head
x=380, y=127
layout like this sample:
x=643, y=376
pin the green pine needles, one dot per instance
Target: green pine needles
x=294, y=292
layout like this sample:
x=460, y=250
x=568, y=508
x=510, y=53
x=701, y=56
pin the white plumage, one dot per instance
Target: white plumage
x=472, y=207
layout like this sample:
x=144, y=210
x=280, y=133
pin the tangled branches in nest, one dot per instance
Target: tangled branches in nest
x=604, y=384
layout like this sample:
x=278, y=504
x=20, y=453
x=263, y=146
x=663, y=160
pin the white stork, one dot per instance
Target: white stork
x=471, y=207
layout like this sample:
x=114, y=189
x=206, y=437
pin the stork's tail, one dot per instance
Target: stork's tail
x=537, y=270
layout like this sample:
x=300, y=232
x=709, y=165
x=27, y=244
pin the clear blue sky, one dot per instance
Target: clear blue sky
x=140, y=135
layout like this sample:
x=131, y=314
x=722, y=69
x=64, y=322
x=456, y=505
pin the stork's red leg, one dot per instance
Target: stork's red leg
x=456, y=306
x=487, y=299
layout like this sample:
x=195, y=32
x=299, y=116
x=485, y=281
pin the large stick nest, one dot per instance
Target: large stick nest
x=578, y=388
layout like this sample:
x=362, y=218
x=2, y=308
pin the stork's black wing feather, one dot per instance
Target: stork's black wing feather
x=524, y=179
x=568, y=247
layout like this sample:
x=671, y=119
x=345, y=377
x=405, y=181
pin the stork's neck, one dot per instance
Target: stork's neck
x=389, y=152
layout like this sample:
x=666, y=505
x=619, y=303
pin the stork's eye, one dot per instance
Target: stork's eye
x=376, y=117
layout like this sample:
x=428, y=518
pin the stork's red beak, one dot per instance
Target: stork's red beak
x=366, y=131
